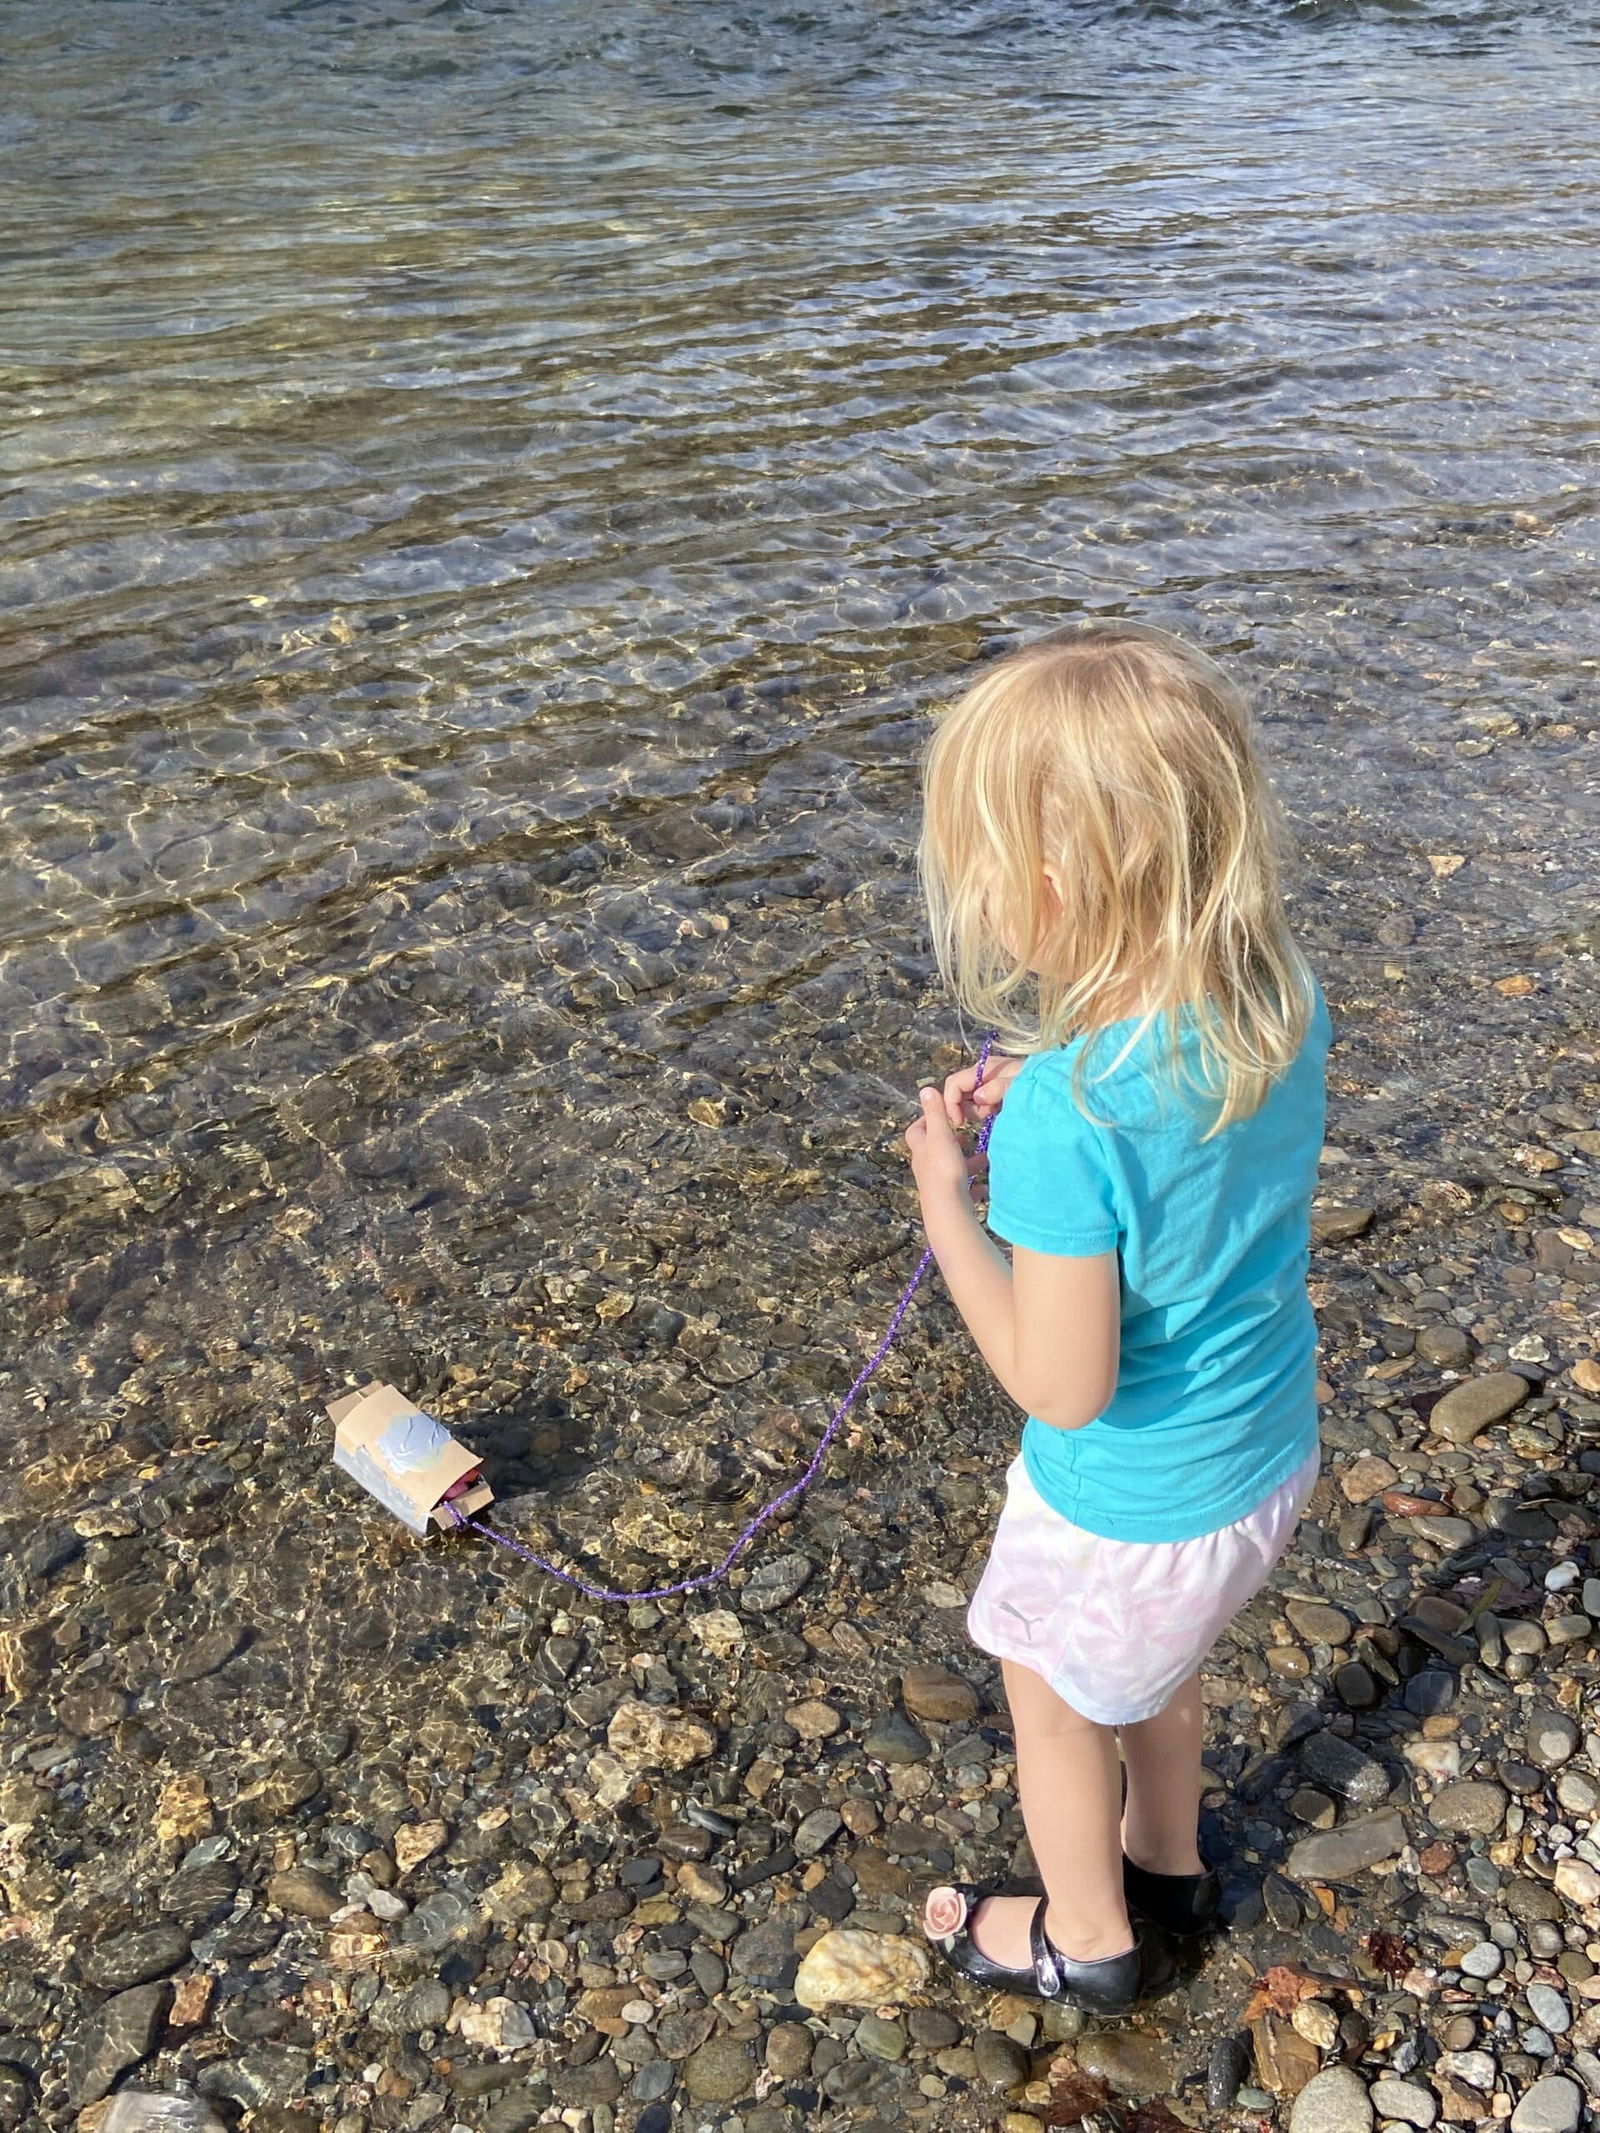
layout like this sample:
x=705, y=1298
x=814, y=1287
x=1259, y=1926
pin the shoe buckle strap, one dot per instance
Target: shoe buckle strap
x=1045, y=1974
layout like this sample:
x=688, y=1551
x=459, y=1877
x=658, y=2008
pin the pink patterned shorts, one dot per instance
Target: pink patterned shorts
x=1116, y=1627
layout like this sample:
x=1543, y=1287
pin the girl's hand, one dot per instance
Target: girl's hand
x=939, y=1163
x=965, y=1105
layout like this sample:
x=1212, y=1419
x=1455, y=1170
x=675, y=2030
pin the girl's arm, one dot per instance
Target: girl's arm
x=1047, y=1326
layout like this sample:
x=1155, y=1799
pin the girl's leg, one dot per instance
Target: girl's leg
x=1161, y=1821
x=1070, y=1783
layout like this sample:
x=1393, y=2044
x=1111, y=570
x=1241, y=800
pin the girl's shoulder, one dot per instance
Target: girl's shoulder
x=1128, y=1077
x=1090, y=1082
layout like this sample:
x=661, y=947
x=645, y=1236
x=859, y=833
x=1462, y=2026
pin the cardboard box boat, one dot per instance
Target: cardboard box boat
x=405, y=1458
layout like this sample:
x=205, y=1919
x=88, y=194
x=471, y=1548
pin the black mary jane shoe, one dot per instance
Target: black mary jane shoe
x=1111, y=1985
x=1180, y=1904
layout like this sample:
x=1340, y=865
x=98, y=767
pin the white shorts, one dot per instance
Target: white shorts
x=1116, y=1627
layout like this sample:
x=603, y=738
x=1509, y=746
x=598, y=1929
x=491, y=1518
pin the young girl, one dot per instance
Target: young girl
x=1098, y=855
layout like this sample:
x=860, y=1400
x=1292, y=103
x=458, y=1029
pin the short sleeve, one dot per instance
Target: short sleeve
x=1050, y=1184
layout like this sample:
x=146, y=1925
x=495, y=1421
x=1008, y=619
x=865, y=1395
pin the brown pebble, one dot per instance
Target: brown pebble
x=1366, y=1477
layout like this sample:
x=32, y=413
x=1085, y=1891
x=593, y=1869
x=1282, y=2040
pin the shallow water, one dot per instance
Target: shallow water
x=491, y=496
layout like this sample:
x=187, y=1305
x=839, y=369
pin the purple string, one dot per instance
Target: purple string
x=770, y=1510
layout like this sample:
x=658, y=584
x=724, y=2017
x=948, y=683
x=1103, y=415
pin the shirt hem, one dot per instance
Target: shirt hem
x=1209, y=1518
x=1078, y=1243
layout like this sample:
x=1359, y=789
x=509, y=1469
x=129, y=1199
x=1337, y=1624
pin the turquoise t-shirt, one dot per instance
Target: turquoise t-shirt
x=1215, y=1405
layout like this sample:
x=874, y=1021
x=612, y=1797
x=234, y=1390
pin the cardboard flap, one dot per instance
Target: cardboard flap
x=401, y=1455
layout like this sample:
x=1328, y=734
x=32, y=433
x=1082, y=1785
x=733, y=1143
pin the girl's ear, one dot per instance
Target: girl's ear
x=1053, y=879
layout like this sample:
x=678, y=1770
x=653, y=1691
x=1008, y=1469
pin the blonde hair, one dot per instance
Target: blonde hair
x=1122, y=757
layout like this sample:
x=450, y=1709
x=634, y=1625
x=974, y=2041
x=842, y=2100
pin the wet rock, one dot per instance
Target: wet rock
x=442, y=1918
x=582, y=2087
x=499, y=2025
x=683, y=2030
x=1578, y=1882
x=1549, y=2009
x=1429, y=1692
x=91, y=1712
x=290, y=1785
x=1338, y=1224
x=1482, y=1960
x=1334, y=2101
x=1469, y=1807
x=1519, y=1778
x=932, y=2028
x=1318, y=1623
x=1438, y=1760
x=774, y=1583
x=1475, y=2068
x=525, y=1890
x=1283, y=1902
x=817, y=1832
x=1285, y=2060
x=1225, y=2071
x=764, y=1954
x=1406, y=2101
x=1530, y=1900
x=788, y=2051
x=1335, y=1854
x=721, y=2071
x=852, y=1967
x=881, y=2038
x=1578, y=1793
x=135, y=1958
x=1477, y=1403
x=654, y=2079
x=183, y=1813
x=1367, y=1476
x=206, y=1654
x=1353, y=1530
x=645, y=1737
x=1317, y=2022
x=200, y=1894
x=25, y=1651
x=16, y=2099
x=119, y=2035
x=814, y=1720
x=519, y=2111
x=1130, y=2061
x=933, y=1692
x=266, y=2074
x=1355, y=1688
x=894, y=1739
x=1569, y=1629
x=1446, y=1533
x=1446, y=1347
x=1002, y=2062
x=1551, y=1739
x=142, y=2111
x=191, y=2002
x=1524, y=1639
x=1343, y=1769
x=304, y=1893
x=415, y=1841
x=1552, y=2105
